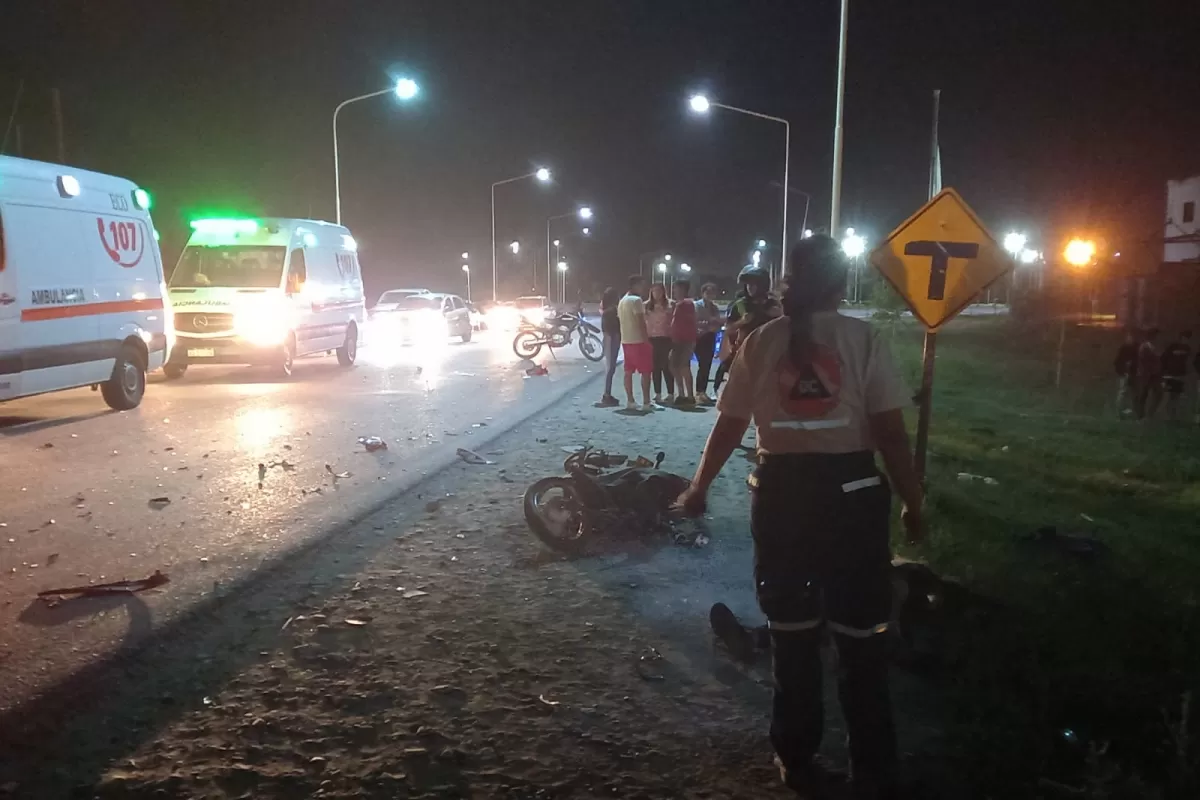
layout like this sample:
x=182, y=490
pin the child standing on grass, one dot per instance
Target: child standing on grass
x=658, y=327
x=683, y=342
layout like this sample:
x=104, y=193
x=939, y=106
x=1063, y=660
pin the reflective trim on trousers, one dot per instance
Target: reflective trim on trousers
x=859, y=633
x=794, y=627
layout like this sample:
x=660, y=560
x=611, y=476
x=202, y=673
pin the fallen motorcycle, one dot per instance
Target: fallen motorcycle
x=559, y=332
x=570, y=513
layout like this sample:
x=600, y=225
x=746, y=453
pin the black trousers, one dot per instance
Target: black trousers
x=612, y=347
x=706, y=345
x=662, y=364
x=822, y=559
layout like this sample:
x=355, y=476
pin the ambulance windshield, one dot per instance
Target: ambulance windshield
x=233, y=266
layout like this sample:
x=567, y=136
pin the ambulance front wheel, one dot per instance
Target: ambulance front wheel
x=125, y=389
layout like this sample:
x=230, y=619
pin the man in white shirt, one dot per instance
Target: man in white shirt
x=635, y=342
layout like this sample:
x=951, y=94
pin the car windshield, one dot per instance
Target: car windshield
x=525, y=303
x=397, y=295
x=416, y=302
x=236, y=266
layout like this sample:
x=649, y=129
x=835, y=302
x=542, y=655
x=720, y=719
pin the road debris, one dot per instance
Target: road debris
x=542, y=698
x=967, y=477
x=159, y=503
x=336, y=475
x=116, y=587
x=471, y=457
x=410, y=594
x=372, y=443
x=356, y=623
x=536, y=371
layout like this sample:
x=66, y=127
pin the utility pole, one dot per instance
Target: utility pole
x=56, y=99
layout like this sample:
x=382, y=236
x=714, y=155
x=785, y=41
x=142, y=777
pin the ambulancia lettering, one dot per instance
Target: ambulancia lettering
x=56, y=297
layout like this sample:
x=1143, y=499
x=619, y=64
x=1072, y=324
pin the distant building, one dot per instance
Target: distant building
x=1163, y=289
x=1181, y=240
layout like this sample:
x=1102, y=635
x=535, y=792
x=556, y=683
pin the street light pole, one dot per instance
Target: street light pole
x=405, y=89
x=543, y=175
x=835, y=195
x=701, y=104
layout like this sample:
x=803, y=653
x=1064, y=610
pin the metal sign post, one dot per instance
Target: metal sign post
x=939, y=260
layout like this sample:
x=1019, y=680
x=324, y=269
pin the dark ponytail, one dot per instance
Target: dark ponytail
x=816, y=277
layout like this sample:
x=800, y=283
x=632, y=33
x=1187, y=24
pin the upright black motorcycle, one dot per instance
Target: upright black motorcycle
x=559, y=331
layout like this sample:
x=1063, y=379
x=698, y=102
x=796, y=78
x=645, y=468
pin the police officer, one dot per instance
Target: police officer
x=825, y=396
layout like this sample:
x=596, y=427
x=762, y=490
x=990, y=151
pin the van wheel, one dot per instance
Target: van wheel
x=287, y=358
x=348, y=352
x=124, y=390
x=173, y=370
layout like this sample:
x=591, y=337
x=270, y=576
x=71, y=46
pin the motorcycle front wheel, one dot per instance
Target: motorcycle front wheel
x=556, y=515
x=528, y=344
x=591, y=347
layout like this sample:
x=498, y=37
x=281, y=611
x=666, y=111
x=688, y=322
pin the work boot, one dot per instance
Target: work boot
x=814, y=781
x=737, y=640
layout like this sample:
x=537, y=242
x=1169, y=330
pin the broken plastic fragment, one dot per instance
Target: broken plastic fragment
x=372, y=443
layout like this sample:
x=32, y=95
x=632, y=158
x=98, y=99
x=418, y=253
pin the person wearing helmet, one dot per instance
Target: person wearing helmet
x=751, y=307
x=824, y=396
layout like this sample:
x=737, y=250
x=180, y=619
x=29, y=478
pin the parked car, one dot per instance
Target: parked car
x=428, y=317
x=534, y=309
x=392, y=297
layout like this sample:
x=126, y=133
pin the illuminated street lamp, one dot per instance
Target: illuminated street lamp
x=1015, y=243
x=1079, y=252
x=808, y=232
x=467, y=269
x=584, y=213
x=685, y=268
x=756, y=257
x=853, y=245
x=515, y=246
x=762, y=244
x=700, y=104
x=662, y=268
x=543, y=176
x=405, y=89
x=1028, y=256
x=586, y=231
x=562, y=276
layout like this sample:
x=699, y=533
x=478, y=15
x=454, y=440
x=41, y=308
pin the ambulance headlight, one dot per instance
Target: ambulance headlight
x=262, y=327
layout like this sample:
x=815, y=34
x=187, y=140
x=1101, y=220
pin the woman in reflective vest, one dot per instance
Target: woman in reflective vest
x=825, y=396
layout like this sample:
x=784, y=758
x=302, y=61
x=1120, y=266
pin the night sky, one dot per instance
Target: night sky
x=1057, y=117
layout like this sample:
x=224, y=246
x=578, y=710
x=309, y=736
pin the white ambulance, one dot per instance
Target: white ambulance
x=266, y=292
x=81, y=283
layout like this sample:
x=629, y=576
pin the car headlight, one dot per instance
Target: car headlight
x=262, y=326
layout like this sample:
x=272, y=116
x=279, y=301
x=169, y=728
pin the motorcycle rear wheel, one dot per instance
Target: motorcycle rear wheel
x=557, y=516
x=527, y=344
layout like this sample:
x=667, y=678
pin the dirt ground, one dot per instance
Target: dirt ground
x=437, y=650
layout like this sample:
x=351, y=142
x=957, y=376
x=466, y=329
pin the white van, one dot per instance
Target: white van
x=266, y=292
x=81, y=283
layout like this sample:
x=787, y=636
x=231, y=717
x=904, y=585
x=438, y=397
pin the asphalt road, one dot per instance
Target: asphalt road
x=78, y=483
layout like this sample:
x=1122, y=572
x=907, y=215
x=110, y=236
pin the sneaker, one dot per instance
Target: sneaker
x=685, y=402
x=658, y=399
x=647, y=407
x=631, y=406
